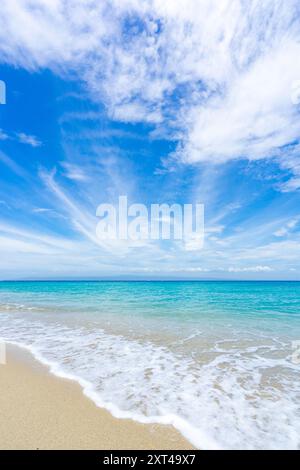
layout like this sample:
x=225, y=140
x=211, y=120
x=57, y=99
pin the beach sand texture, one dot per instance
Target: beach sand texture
x=41, y=411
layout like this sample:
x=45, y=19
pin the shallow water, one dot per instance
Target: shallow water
x=215, y=359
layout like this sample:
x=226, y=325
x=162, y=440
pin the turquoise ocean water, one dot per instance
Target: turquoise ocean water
x=218, y=360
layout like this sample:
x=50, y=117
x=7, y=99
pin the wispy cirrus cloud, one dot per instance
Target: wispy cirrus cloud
x=21, y=137
x=74, y=172
x=287, y=228
x=32, y=241
x=250, y=269
x=28, y=139
x=3, y=135
x=12, y=165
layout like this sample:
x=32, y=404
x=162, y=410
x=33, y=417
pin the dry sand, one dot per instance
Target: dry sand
x=40, y=411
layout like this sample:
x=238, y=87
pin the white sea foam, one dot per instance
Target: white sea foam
x=237, y=399
x=13, y=307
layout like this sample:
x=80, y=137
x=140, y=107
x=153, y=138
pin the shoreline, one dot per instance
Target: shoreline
x=42, y=411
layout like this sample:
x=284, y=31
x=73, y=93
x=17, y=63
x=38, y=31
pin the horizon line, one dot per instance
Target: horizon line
x=149, y=280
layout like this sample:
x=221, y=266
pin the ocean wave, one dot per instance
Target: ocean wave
x=236, y=399
x=17, y=307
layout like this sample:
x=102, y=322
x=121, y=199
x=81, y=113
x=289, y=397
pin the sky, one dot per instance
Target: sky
x=186, y=101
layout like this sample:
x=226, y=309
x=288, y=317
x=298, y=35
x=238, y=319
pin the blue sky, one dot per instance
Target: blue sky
x=193, y=101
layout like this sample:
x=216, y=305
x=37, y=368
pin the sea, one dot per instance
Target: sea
x=220, y=361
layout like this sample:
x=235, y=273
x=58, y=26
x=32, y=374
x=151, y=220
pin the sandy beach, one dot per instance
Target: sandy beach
x=41, y=411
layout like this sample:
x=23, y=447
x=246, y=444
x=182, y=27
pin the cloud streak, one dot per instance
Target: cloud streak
x=28, y=140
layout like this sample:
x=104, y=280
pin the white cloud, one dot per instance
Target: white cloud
x=28, y=139
x=231, y=65
x=3, y=135
x=255, y=118
x=287, y=228
x=290, y=161
x=18, y=238
x=250, y=269
x=40, y=210
x=74, y=172
x=12, y=165
x=21, y=137
x=282, y=250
